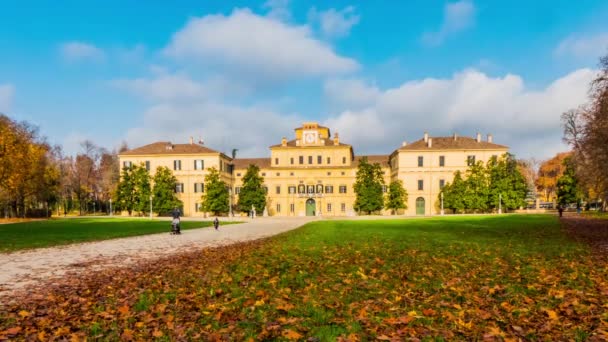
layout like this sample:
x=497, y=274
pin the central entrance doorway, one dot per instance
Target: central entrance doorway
x=310, y=207
x=419, y=206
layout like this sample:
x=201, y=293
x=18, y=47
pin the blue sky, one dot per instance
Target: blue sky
x=244, y=74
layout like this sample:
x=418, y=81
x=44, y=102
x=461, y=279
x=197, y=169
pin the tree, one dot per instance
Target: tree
x=477, y=188
x=567, y=185
x=252, y=193
x=548, y=173
x=586, y=130
x=216, y=198
x=454, y=193
x=397, y=196
x=142, y=188
x=133, y=190
x=165, y=198
x=28, y=174
x=506, y=183
x=368, y=187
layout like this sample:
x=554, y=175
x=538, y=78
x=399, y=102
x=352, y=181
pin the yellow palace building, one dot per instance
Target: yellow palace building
x=314, y=174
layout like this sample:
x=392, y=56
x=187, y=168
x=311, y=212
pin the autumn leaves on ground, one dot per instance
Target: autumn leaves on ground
x=473, y=278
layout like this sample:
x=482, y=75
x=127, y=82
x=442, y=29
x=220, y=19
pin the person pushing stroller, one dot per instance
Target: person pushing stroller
x=175, y=223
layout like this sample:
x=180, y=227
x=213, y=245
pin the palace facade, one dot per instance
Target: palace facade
x=314, y=174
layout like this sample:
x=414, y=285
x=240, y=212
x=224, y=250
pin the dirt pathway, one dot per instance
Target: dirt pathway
x=34, y=267
x=593, y=231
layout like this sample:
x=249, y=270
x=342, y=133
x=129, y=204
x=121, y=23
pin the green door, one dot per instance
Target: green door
x=419, y=206
x=310, y=207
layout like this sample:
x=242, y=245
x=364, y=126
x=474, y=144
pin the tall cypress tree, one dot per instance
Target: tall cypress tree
x=454, y=193
x=124, y=195
x=215, y=199
x=165, y=198
x=133, y=190
x=142, y=189
x=567, y=185
x=397, y=196
x=252, y=193
x=368, y=187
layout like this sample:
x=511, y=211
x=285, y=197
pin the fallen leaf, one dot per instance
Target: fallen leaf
x=291, y=335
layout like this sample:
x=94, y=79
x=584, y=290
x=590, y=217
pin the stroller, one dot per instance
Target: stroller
x=175, y=228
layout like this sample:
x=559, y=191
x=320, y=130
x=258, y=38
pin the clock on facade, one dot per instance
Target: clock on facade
x=310, y=137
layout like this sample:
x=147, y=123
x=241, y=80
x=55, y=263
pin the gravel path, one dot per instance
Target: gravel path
x=34, y=267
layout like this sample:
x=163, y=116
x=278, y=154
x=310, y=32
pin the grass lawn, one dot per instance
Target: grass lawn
x=35, y=234
x=457, y=278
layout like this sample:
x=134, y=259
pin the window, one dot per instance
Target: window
x=343, y=207
x=263, y=174
x=291, y=173
x=343, y=173
x=310, y=189
x=238, y=174
x=329, y=189
x=265, y=189
x=198, y=207
x=343, y=160
x=127, y=164
x=291, y=189
x=199, y=164
x=148, y=165
x=342, y=189
x=420, y=184
x=301, y=160
x=292, y=207
x=309, y=159
x=329, y=173
x=199, y=187
x=420, y=161
x=276, y=161
x=319, y=188
x=278, y=207
x=329, y=207
x=319, y=160
x=442, y=161
x=237, y=190
x=301, y=189
x=328, y=160
x=177, y=165
x=441, y=183
x=179, y=187
x=384, y=188
x=278, y=189
x=278, y=174
x=291, y=161
x=470, y=160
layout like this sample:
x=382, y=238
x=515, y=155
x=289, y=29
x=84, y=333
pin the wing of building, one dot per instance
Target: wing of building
x=314, y=173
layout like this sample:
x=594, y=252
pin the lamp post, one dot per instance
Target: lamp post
x=442, y=212
x=110, y=207
x=230, y=200
x=500, y=203
x=150, y=207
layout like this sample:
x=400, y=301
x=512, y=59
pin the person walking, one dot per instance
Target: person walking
x=560, y=210
x=216, y=223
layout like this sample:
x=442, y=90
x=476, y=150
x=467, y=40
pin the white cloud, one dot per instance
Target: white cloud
x=526, y=120
x=165, y=86
x=584, y=46
x=7, y=91
x=333, y=23
x=278, y=9
x=76, y=51
x=222, y=127
x=457, y=16
x=258, y=47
